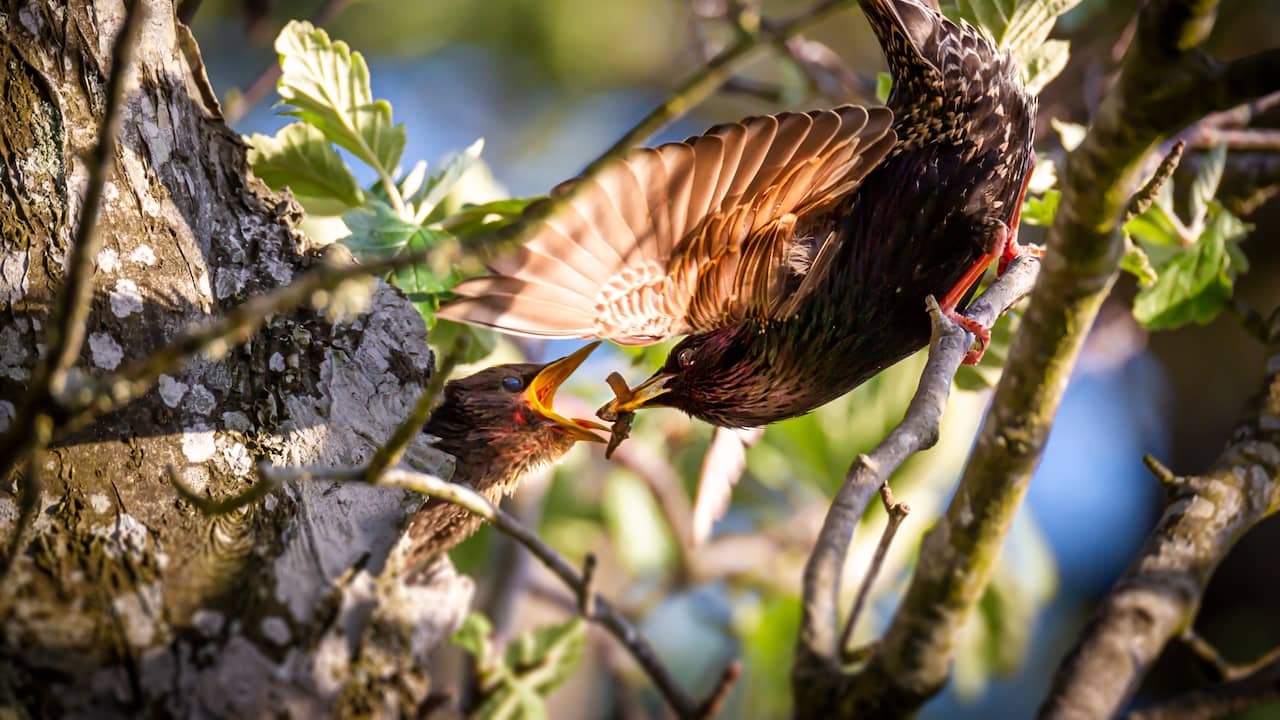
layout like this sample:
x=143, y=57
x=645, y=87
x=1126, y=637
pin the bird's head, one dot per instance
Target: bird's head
x=509, y=410
x=711, y=376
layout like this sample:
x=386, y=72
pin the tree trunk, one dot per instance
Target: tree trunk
x=126, y=599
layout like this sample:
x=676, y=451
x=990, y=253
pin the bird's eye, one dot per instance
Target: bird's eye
x=512, y=384
x=685, y=357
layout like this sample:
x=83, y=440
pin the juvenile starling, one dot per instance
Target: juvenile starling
x=499, y=424
x=795, y=250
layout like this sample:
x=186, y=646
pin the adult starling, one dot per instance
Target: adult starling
x=499, y=424
x=795, y=250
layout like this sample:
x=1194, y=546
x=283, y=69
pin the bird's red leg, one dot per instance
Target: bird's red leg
x=952, y=299
x=1012, y=249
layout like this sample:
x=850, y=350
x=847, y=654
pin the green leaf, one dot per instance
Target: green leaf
x=1044, y=63
x=1205, y=184
x=473, y=636
x=445, y=332
x=884, y=86
x=1193, y=286
x=1137, y=263
x=377, y=231
x=474, y=220
x=419, y=282
x=446, y=180
x=300, y=158
x=1031, y=24
x=1041, y=211
x=1157, y=225
x=535, y=663
x=328, y=86
x=992, y=16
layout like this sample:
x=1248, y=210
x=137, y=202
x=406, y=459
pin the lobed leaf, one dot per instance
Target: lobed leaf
x=327, y=86
x=300, y=158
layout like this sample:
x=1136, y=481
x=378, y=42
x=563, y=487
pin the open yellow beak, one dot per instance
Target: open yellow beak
x=541, y=394
x=632, y=399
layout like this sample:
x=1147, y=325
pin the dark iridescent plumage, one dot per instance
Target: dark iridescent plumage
x=793, y=305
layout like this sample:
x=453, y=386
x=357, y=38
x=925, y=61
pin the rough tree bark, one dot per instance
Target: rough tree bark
x=125, y=599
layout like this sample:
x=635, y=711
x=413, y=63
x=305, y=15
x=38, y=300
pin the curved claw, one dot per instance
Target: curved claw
x=981, y=334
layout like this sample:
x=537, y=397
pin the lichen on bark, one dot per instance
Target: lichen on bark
x=126, y=599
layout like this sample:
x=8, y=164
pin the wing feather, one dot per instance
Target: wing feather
x=686, y=237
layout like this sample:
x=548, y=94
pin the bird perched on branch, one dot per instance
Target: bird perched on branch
x=795, y=250
x=499, y=424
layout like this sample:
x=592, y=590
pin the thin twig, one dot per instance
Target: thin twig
x=710, y=76
x=239, y=106
x=1251, y=320
x=1257, y=139
x=896, y=512
x=587, y=592
x=1143, y=198
x=389, y=454
x=31, y=489
x=1240, y=688
x=711, y=706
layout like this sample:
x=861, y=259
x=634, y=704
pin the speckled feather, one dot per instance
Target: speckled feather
x=790, y=303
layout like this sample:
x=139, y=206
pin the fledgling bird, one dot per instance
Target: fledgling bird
x=795, y=250
x=499, y=424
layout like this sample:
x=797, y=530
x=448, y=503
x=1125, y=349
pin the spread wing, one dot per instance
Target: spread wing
x=685, y=237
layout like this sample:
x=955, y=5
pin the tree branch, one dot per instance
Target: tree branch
x=897, y=512
x=817, y=673
x=1165, y=83
x=1157, y=598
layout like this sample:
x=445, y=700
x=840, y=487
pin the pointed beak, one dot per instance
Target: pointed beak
x=541, y=394
x=632, y=399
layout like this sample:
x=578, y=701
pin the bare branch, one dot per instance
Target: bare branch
x=1157, y=598
x=820, y=651
x=1244, y=688
x=896, y=512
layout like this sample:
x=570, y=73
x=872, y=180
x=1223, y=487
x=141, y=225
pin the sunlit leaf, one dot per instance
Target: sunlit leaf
x=327, y=86
x=1040, y=211
x=444, y=334
x=884, y=86
x=1137, y=263
x=1044, y=63
x=300, y=158
x=1069, y=134
x=1193, y=287
x=377, y=231
x=1205, y=184
x=441, y=184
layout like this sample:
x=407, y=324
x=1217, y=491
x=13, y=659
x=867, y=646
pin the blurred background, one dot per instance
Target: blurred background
x=549, y=84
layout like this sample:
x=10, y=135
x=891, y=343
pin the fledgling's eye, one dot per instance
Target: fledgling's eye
x=685, y=357
x=512, y=384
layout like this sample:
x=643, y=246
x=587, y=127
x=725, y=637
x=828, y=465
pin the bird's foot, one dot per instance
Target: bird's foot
x=1014, y=250
x=980, y=332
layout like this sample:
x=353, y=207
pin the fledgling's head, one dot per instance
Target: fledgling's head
x=505, y=413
